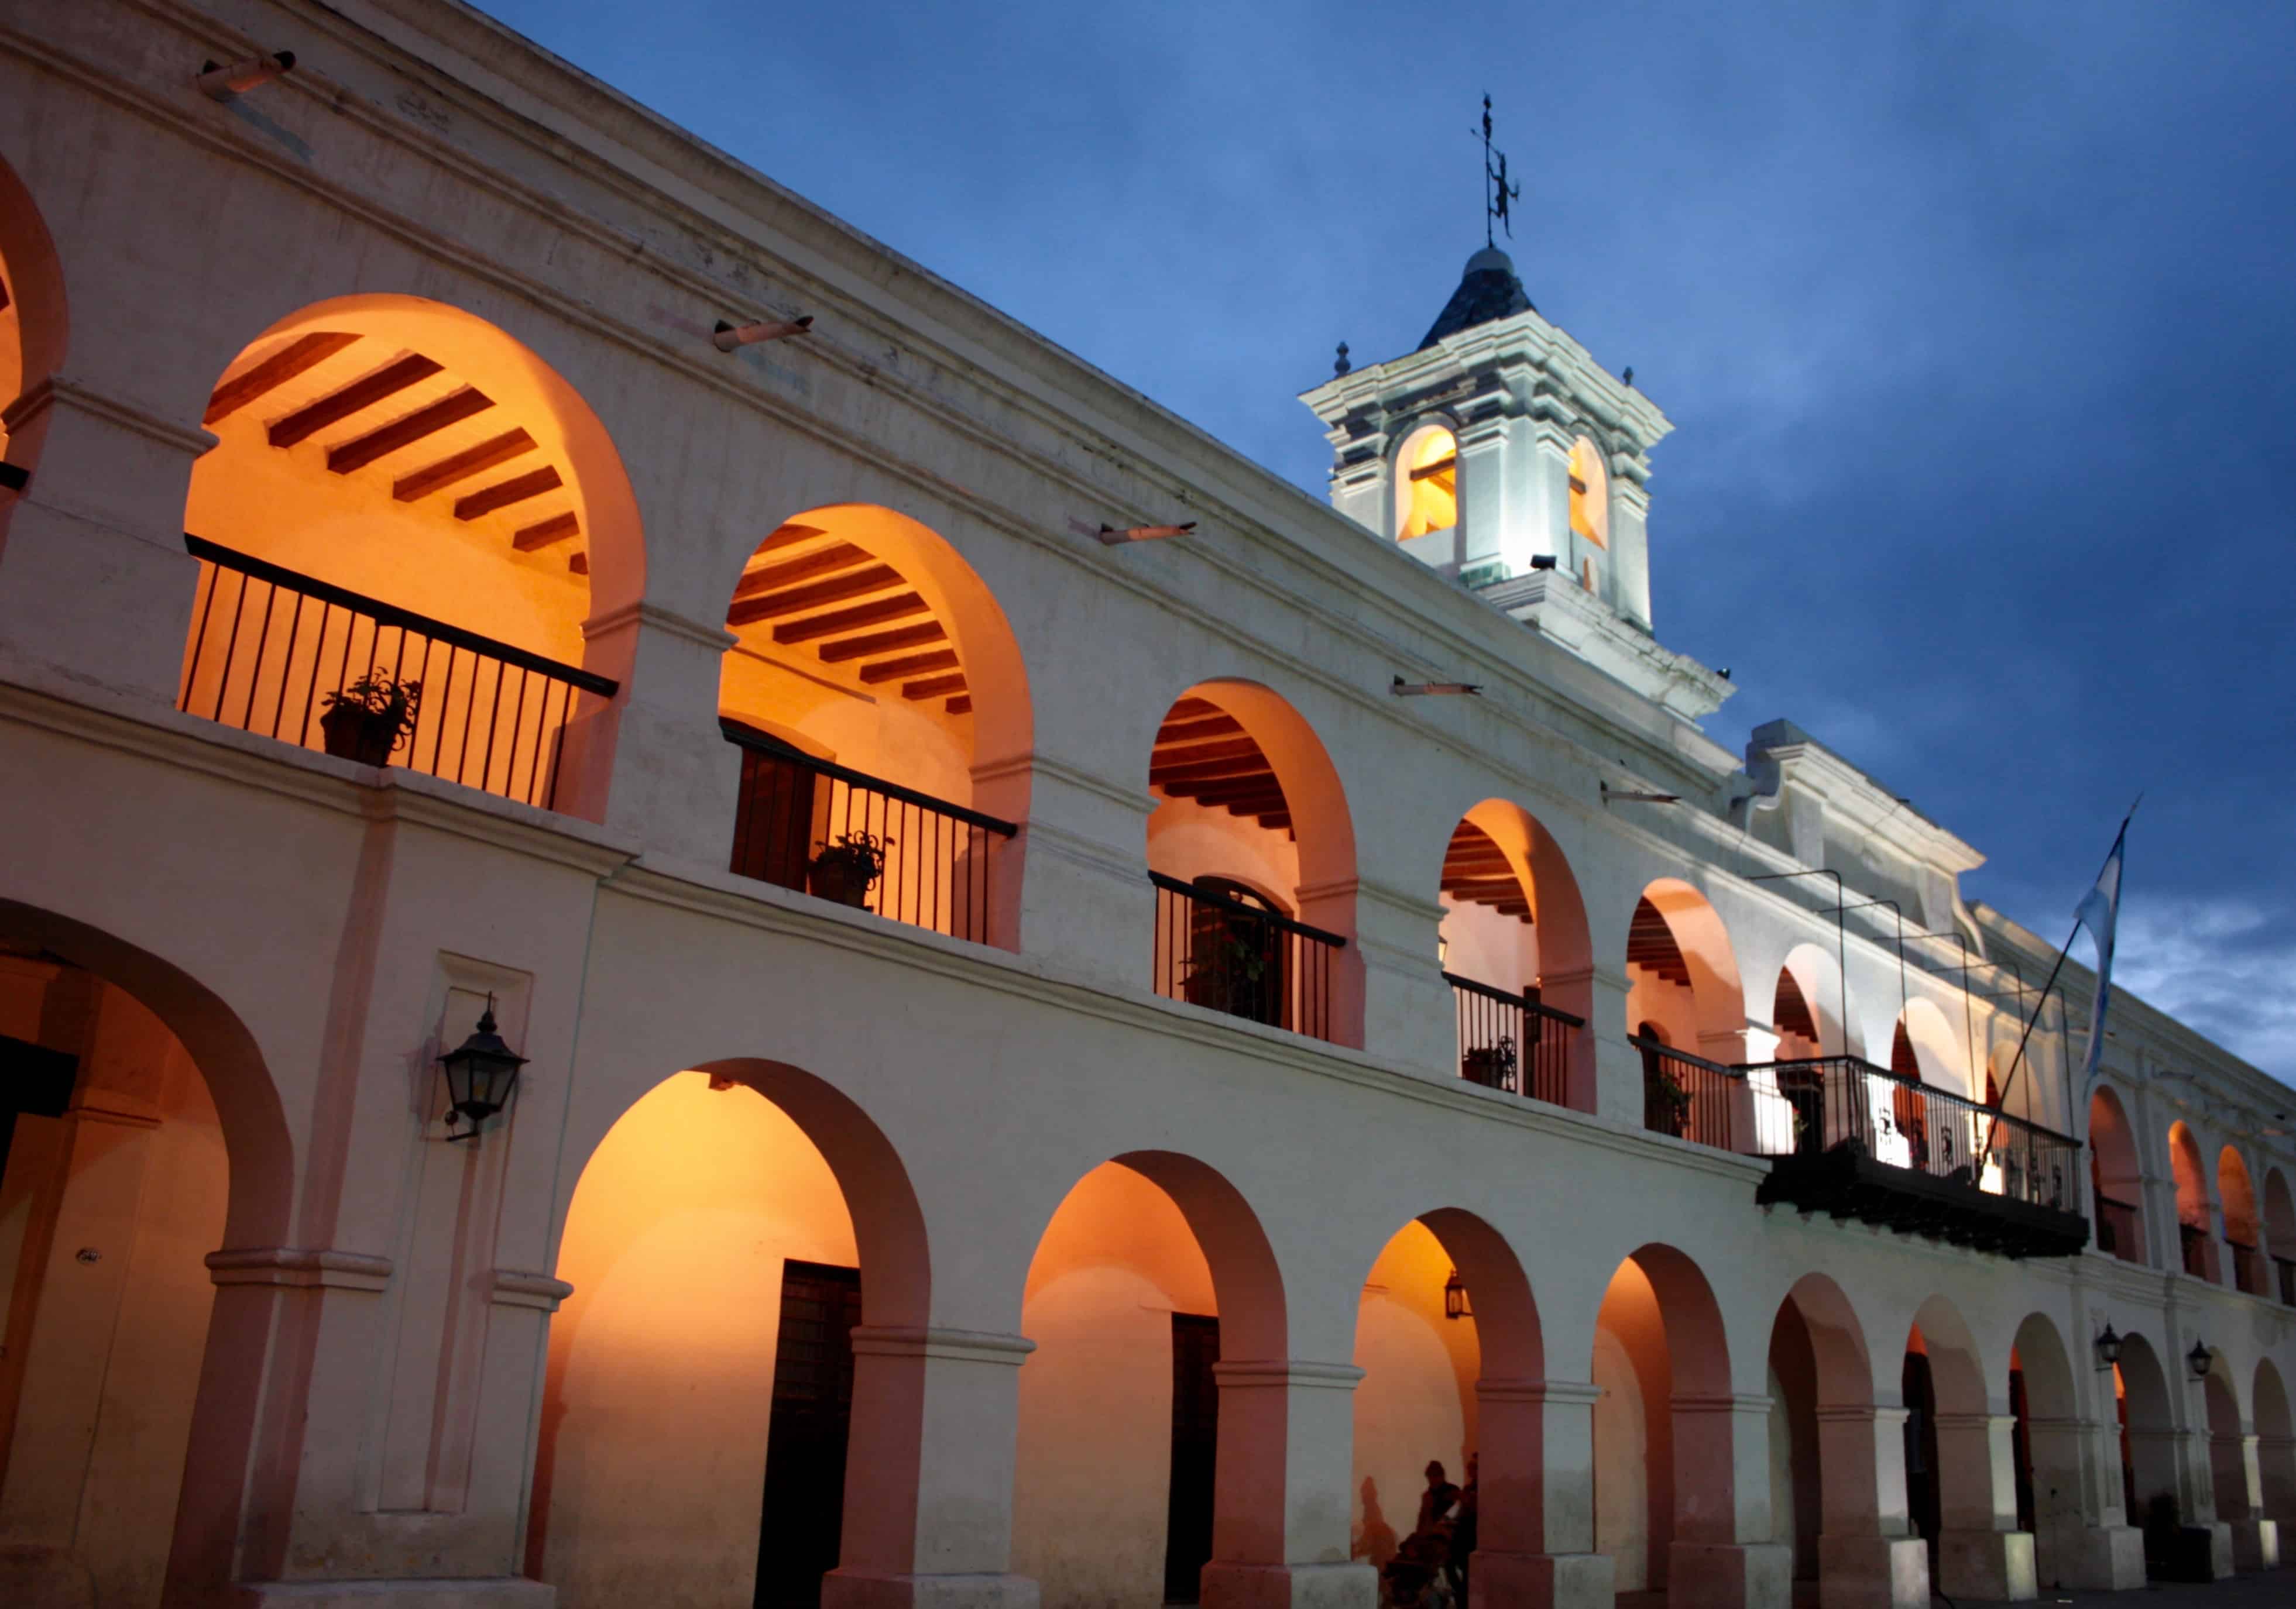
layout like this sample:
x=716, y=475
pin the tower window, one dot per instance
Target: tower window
x=1590, y=493
x=1427, y=492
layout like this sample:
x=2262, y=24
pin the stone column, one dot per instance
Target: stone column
x=2083, y=1543
x=653, y=762
x=2238, y=1478
x=1281, y=1496
x=929, y=1473
x=1535, y=1498
x=1867, y=1556
x=95, y=587
x=1072, y=885
x=1980, y=1552
x=1630, y=548
x=1489, y=508
x=1618, y=1064
x=1407, y=1011
x=1336, y=908
x=2275, y=1458
x=1722, y=1556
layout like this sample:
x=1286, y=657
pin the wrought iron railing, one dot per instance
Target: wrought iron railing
x=939, y=860
x=1806, y=1107
x=1219, y=952
x=2247, y=1269
x=2194, y=1244
x=1689, y=1097
x=2286, y=1267
x=1513, y=1042
x=268, y=644
x=2119, y=1229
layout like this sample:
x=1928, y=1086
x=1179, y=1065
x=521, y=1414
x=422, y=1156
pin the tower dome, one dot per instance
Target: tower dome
x=1487, y=289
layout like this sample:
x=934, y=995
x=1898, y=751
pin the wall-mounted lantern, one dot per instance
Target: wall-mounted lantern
x=2107, y=1349
x=481, y=1073
x=2199, y=1359
x=1454, y=1298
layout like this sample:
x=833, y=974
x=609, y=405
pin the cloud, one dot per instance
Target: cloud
x=2222, y=966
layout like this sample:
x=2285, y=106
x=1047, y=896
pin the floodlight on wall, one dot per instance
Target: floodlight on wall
x=481, y=1073
x=730, y=337
x=1542, y=562
x=13, y=478
x=220, y=81
x=1623, y=795
x=1454, y=1298
x=1417, y=690
x=2107, y=1349
x=2199, y=1360
x=1111, y=536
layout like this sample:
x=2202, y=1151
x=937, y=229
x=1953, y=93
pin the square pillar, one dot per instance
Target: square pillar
x=653, y=762
x=1980, y=1552
x=2081, y=1540
x=1722, y=1556
x=1867, y=1556
x=1535, y=1495
x=1280, y=1497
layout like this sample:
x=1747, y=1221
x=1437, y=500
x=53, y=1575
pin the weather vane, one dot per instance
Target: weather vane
x=1496, y=192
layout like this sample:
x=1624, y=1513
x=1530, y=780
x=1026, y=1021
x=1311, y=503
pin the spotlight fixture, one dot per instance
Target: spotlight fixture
x=2107, y=1349
x=1542, y=562
x=2199, y=1359
x=14, y=478
x=219, y=82
x=1414, y=690
x=730, y=337
x=1112, y=535
x=1454, y=1298
x=1724, y=673
x=1625, y=796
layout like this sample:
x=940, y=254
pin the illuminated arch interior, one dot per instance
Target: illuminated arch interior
x=1427, y=483
x=1590, y=493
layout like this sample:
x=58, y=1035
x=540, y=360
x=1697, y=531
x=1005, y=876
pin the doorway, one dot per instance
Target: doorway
x=799, y=1532
x=1195, y=1451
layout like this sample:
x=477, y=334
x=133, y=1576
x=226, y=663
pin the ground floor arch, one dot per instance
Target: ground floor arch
x=2045, y=1449
x=2276, y=1446
x=2148, y=1432
x=1960, y=1459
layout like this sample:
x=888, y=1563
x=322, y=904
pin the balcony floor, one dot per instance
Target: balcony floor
x=1850, y=1183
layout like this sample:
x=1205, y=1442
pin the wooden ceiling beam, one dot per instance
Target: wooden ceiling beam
x=558, y=527
x=340, y=404
x=883, y=642
x=875, y=612
x=1192, y=731
x=786, y=537
x=1192, y=709
x=772, y=577
x=962, y=705
x=518, y=488
x=452, y=409
x=932, y=687
x=908, y=665
x=1218, y=770
x=308, y=352
x=797, y=599
x=1198, y=754
x=463, y=465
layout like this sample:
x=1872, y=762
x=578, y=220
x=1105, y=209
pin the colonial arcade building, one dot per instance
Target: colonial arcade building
x=1044, y=1072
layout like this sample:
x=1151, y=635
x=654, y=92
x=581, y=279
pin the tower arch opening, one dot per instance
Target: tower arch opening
x=1426, y=482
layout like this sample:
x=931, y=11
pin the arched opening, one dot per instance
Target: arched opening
x=1822, y=1456
x=1152, y=1275
x=877, y=696
x=2280, y=1231
x=1426, y=483
x=1448, y=1337
x=32, y=329
x=1590, y=493
x=2116, y=1180
x=1951, y=1465
x=1682, y=976
x=139, y=1133
x=2148, y=1435
x=2276, y=1444
x=1664, y=1479
x=1514, y=948
x=1252, y=855
x=723, y=1241
x=2195, y=1228
x=405, y=521
x=2239, y=1198
x=1938, y=1137
x=2045, y=1448
x=2227, y=1449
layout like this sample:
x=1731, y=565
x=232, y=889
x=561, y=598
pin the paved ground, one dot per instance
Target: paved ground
x=2272, y=1589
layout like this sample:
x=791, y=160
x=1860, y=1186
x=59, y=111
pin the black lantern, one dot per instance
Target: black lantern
x=2199, y=1359
x=2107, y=1349
x=481, y=1072
x=1454, y=1298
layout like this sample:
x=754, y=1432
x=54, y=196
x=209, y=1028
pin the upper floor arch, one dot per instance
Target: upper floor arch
x=34, y=328
x=1682, y=972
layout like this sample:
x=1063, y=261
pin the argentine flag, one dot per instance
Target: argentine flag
x=2098, y=912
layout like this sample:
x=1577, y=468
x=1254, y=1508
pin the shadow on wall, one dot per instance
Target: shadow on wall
x=1375, y=1540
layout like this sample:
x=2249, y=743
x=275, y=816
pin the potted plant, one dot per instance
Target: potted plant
x=1225, y=973
x=1490, y=1065
x=368, y=720
x=1666, y=1103
x=846, y=870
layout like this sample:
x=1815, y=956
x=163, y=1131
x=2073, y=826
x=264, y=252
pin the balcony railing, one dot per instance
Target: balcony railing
x=1512, y=1041
x=940, y=865
x=1689, y=1097
x=2286, y=1267
x=2119, y=1229
x=268, y=644
x=2247, y=1269
x=2194, y=1244
x=1219, y=952
x=1854, y=1139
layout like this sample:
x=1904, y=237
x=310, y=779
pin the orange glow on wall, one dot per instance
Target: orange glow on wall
x=1428, y=485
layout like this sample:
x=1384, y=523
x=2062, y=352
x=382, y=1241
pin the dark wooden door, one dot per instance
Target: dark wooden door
x=774, y=824
x=1195, y=1455
x=805, y=1445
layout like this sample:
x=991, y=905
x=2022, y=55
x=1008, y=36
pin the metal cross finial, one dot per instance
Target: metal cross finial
x=1496, y=192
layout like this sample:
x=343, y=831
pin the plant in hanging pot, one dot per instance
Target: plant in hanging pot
x=846, y=870
x=368, y=720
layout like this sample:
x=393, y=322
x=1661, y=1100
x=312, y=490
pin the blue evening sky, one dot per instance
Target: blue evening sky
x=1975, y=323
